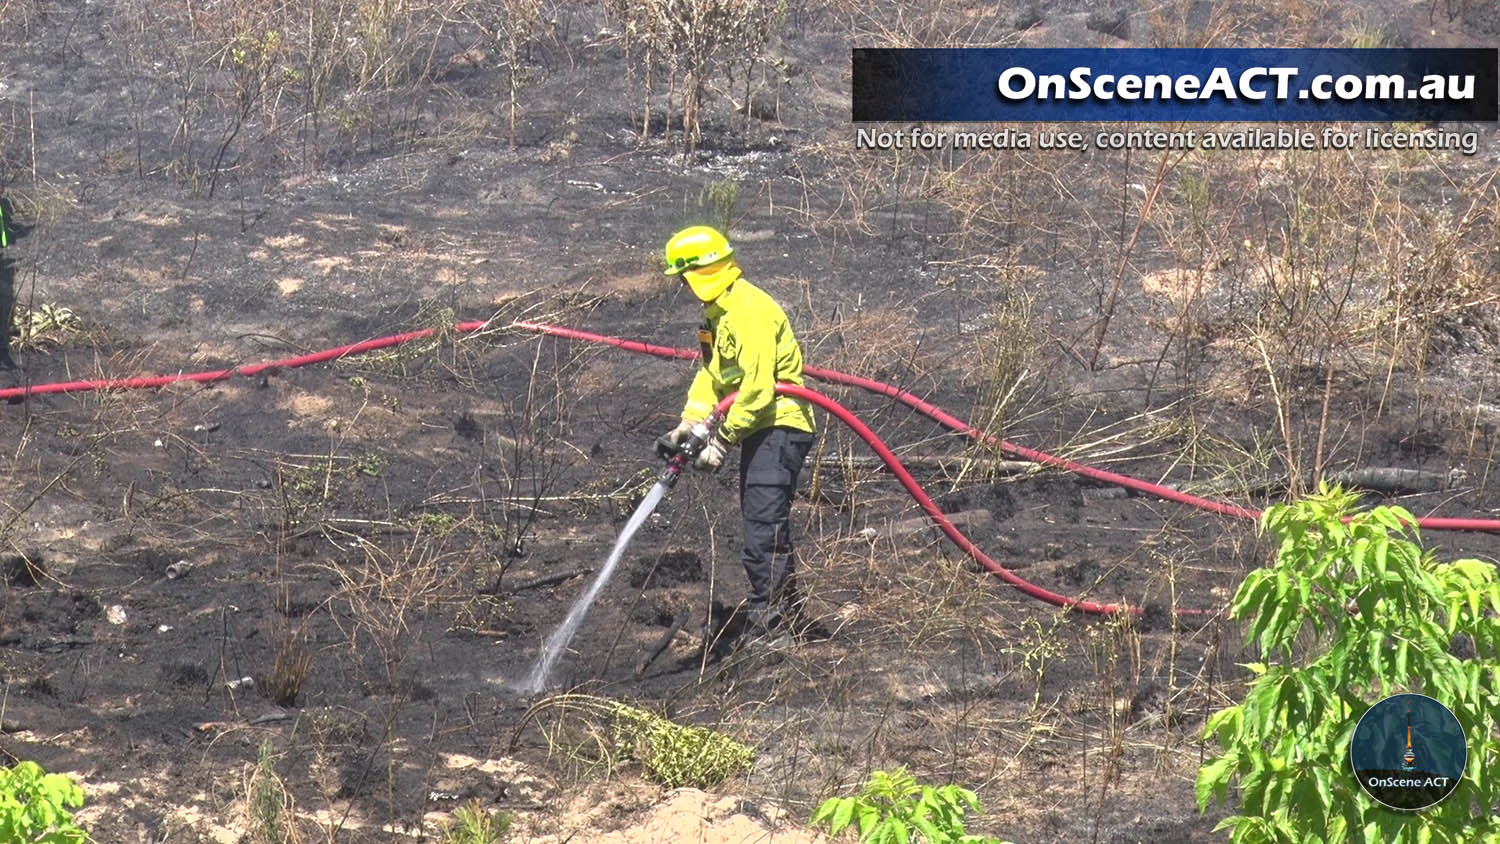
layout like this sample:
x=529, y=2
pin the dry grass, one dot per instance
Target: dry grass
x=291, y=665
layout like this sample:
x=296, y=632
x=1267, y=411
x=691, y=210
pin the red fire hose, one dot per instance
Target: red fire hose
x=931, y=509
x=151, y=382
x=949, y=421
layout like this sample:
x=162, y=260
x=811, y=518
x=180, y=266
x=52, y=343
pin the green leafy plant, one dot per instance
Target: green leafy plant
x=34, y=806
x=605, y=733
x=1351, y=611
x=474, y=824
x=676, y=755
x=894, y=808
x=720, y=197
x=1038, y=649
x=47, y=325
x=268, y=804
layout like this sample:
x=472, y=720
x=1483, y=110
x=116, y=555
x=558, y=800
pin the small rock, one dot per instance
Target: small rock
x=1109, y=21
x=1457, y=477
x=164, y=628
x=1028, y=16
x=115, y=614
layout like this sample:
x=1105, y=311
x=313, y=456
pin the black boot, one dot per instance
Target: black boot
x=767, y=630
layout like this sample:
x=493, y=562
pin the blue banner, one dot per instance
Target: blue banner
x=1164, y=85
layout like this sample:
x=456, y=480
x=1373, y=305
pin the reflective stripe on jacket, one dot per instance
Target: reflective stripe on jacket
x=750, y=346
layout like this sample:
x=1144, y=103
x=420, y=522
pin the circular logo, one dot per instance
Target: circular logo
x=1408, y=752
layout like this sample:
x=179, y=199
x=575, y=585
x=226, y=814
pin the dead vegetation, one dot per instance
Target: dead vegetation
x=1240, y=325
x=692, y=44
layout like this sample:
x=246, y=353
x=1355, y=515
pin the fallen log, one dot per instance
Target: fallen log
x=1394, y=479
x=550, y=579
x=1388, y=480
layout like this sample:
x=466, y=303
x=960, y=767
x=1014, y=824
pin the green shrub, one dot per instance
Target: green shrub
x=1351, y=611
x=894, y=808
x=720, y=198
x=676, y=755
x=268, y=803
x=596, y=733
x=474, y=824
x=34, y=806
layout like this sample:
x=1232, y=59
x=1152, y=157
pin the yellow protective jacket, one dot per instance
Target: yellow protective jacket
x=748, y=346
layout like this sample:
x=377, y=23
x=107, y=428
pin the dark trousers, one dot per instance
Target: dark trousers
x=770, y=460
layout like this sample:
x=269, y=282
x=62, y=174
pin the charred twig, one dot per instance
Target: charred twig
x=550, y=580
x=661, y=644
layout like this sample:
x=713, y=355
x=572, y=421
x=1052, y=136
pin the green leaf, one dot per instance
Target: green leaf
x=867, y=818
x=1225, y=725
x=824, y=811
x=842, y=815
x=1357, y=555
x=1382, y=549
x=1251, y=594
x=929, y=830
x=1213, y=780
x=1321, y=785
x=1270, y=631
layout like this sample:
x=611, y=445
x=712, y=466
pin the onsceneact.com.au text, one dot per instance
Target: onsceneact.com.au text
x=1252, y=83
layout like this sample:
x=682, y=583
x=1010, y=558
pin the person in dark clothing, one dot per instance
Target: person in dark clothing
x=10, y=231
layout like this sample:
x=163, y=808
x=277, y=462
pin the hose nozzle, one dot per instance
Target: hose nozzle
x=679, y=454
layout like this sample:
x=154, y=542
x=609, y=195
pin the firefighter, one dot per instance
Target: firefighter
x=748, y=346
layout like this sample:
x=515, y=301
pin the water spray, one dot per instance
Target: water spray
x=678, y=455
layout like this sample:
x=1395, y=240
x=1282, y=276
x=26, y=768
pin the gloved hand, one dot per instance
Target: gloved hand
x=711, y=458
x=673, y=439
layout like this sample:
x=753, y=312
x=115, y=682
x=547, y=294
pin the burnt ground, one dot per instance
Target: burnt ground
x=363, y=540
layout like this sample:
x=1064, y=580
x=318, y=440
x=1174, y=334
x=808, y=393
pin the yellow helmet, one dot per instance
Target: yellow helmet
x=696, y=246
x=693, y=253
